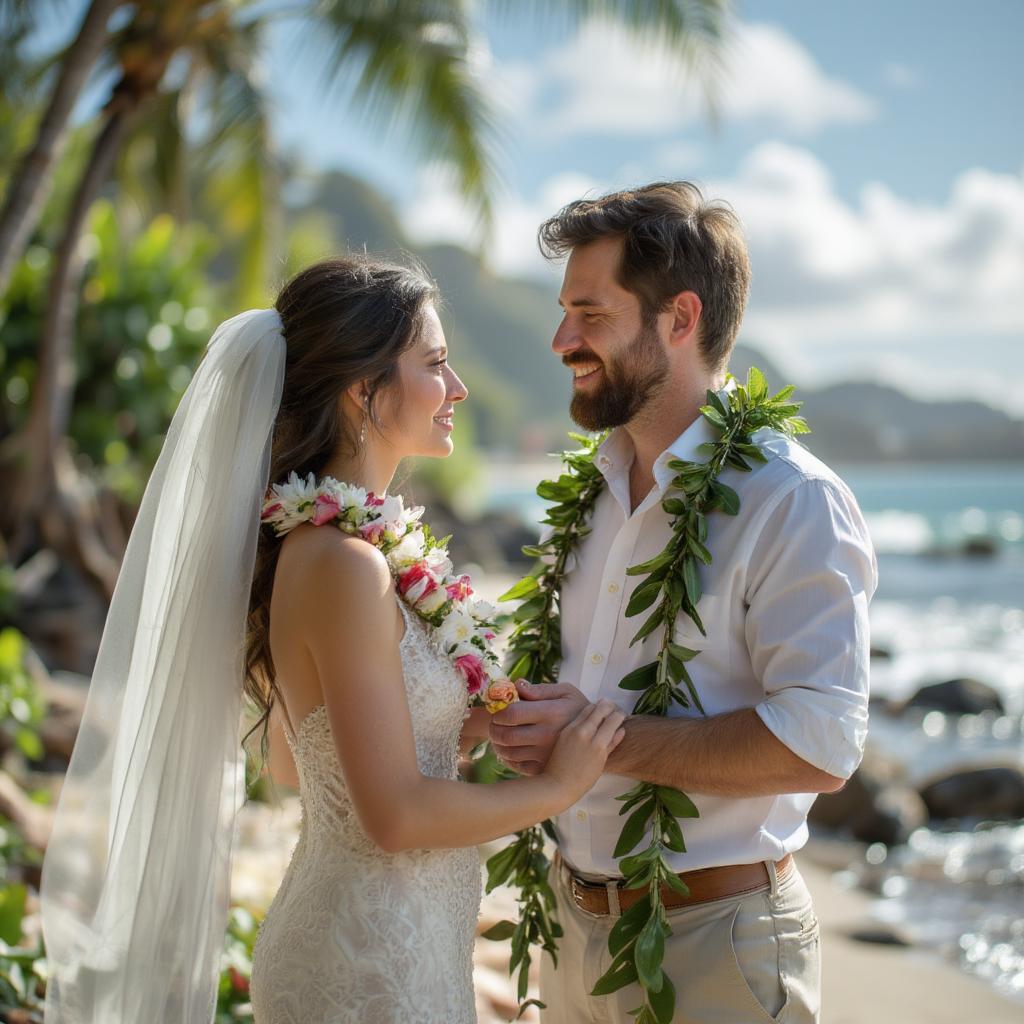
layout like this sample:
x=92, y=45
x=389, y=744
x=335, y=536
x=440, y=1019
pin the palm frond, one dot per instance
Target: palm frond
x=412, y=62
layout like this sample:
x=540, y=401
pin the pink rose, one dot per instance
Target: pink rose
x=372, y=531
x=473, y=669
x=460, y=589
x=372, y=501
x=416, y=582
x=325, y=508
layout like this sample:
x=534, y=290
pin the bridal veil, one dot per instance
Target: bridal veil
x=135, y=881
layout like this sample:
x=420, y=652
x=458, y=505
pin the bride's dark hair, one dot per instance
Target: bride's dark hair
x=345, y=320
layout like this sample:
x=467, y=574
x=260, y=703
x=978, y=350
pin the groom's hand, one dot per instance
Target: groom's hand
x=524, y=733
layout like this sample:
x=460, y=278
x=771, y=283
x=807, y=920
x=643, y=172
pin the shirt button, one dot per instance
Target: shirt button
x=581, y=815
x=613, y=588
x=596, y=659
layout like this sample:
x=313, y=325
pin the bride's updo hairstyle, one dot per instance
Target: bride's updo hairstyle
x=345, y=320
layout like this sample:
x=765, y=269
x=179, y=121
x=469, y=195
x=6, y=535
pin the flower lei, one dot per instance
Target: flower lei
x=463, y=625
x=672, y=585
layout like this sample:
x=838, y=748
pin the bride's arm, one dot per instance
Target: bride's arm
x=352, y=627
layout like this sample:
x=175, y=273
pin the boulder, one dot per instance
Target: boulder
x=983, y=793
x=958, y=697
x=869, y=810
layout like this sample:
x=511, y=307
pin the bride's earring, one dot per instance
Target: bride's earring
x=362, y=429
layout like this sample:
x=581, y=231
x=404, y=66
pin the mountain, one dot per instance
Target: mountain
x=499, y=331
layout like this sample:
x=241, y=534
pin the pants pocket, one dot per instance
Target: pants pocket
x=754, y=948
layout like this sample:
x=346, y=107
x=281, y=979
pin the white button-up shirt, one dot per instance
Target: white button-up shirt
x=785, y=606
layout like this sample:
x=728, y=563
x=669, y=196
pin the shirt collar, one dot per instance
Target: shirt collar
x=615, y=454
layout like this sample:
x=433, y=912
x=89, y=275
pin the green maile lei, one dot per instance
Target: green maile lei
x=672, y=584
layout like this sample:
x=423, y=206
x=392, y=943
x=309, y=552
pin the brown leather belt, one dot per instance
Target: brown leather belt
x=705, y=885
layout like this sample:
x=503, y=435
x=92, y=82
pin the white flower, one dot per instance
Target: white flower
x=408, y=550
x=438, y=562
x=458, y=627
x=483, y=611
x=285, y=499
x=391, y=510
x=295, y=490
x=413, y=515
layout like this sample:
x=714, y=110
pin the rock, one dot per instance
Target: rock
x=984, y=793
x=958, y=697
x=879, y=937
x=980, y=547
x=870, y=811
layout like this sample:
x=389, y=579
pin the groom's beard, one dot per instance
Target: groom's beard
x=629, y=381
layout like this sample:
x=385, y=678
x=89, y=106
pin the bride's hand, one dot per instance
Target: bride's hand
x=583, y=746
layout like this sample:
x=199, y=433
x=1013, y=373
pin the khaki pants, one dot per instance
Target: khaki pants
x=740, y=960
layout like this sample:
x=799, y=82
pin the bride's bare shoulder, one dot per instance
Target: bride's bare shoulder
x=322, y=562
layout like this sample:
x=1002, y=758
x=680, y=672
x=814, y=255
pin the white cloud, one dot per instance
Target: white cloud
x=438, y=213
x=605, y=80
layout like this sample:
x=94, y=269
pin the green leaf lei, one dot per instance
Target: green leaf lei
x=672, y=585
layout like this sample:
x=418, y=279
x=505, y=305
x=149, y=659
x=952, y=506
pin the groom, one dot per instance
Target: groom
x=653, y=295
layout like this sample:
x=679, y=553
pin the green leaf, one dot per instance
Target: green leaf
x=550, y=490
x=660, y=560
x=678, y=803
x=530, y=609
x=643, y=597
x=527, y=586
x=12, y=911
x=757, y=386
x=628, y=926
x=728, y=499
x=649, y=953
x=663, y=1002
x=713, y=416
x=691, y=577
x=634, y=829
x=682, y=653
x=523, y=1007
x=616, y=977
x=715, y=402
x=640, y=678
x=648, y=627
x=500, y=931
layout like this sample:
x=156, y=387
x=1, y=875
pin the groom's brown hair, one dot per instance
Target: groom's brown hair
x=673, y=240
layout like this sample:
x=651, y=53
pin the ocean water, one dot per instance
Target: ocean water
x=950, y=604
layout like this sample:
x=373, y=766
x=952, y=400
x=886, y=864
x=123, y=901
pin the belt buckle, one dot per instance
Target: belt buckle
x=573, y=888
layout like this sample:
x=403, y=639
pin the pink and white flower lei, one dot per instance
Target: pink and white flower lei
x=462, y=625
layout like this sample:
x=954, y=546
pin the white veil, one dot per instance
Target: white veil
x=135, y=881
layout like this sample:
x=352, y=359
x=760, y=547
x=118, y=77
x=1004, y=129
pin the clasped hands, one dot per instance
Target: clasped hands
x=524, y=733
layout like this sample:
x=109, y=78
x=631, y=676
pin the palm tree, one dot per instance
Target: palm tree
x=411, y=58
x=30, y=184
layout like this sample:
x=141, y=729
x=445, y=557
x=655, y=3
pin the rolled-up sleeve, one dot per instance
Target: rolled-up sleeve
x=810, y=577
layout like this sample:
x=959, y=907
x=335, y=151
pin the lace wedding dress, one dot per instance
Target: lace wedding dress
x=356, y=935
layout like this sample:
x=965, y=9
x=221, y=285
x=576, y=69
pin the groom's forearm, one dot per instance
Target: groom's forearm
x=733, y=755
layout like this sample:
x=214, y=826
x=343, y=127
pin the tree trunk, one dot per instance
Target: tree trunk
x=32, y=455
x=30, y=184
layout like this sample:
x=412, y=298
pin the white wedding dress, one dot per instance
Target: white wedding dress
x=356, y=935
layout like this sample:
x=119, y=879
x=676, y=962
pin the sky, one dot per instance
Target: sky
x=874, y=152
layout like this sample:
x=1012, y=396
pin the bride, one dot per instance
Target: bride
x=375, y=918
